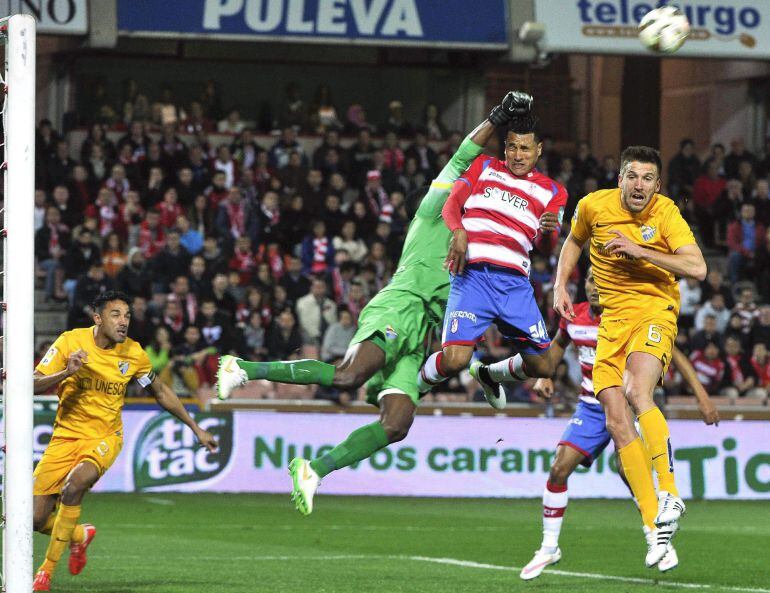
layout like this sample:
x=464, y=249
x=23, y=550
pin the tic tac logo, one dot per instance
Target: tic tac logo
x=168, y=453
x=709, y=20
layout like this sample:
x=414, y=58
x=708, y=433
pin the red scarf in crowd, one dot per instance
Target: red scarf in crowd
x=151, y=241
x=320, y=249
x=237, y=216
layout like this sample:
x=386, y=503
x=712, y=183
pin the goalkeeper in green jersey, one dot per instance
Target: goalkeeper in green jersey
x=388, y=348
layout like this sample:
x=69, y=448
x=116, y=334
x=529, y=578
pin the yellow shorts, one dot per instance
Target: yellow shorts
x=63, y=454
x=620, y=337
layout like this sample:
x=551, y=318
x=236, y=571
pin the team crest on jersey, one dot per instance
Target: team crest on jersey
x=453, y=326
x=390, y=333
x=648, y=232
x=123, y=367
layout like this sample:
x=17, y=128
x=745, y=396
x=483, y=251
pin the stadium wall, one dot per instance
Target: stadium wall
x=443, y=456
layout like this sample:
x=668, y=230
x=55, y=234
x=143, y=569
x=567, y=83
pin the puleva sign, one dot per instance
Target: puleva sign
x=430, y=22
x=720, y=28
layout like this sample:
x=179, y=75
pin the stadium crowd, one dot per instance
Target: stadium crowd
x=271, y=252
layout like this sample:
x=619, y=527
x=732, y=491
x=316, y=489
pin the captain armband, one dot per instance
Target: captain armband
x=147, y=380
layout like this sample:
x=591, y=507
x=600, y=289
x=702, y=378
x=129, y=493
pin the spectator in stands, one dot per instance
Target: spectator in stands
x=114, y=256
x=173, y=319
x=51, y=244
x=760, y=360
x=760, y=196
x=137, y=139
x=744, y=237
x=82, y=188
x=45, y=141
x=70, y=216
x=168, y=261
x=361, y=156
x=709, y=368
x=197, y=277
x=683, y=169
x=706, y=190
x=201, y=215
x=81, y=256
x=159, y=353
x=432, y=124
x=190, y=238
x=281, y=151
x=226, y=164
x=245, y=149
x=411, y=179
x=141, y=327
x=293, y=175
x=425, y=157
x=284, y=339
x=216, y=328
x=317, y=250
x=350, y=242
x=396, y=122
x=189, y=358
x=196, y=120
x=356, y=120
x=97, y=135
x=608, y=173
x=339, y=186
x=296, y=283
x=211, y=100
x=315, y=312
x=709, y=333
x=747, y=178
x=40, y=208
x=690, y=297
x=236, y=218
x=740, y=377
x=184, y=297
x=331, y=142
x=715, y=306
x=254, y=337
x=586, y=164
x=746, y=308
x=86, y=288
x=322, y=113
x=59, y=165
x=135, y=278
x=734, y=329
x=337, y=337
x=714, y=283
x=293, y=111
x=232, y=124
x=737, y=154
x=152, y=238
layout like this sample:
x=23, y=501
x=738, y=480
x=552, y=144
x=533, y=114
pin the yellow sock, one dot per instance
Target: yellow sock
x=61, y=534
x=78, y=534
x=48, y=527
x=636, y=466
x=658, y=443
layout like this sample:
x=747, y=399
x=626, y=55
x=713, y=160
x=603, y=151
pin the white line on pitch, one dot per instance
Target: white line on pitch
x=587, y=575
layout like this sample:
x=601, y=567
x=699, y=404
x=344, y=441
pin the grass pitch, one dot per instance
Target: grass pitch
x=212, y=543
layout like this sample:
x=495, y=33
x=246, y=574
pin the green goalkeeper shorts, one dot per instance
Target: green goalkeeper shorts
x=396, y=321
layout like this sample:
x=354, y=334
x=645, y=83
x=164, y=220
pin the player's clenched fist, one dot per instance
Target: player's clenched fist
x=543, y=388
x=514, y=104
x=562, y=303
x=76, y=360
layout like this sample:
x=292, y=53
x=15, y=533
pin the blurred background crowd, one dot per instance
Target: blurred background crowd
x=265, y=234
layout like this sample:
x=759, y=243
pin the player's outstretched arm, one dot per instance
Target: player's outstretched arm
x=169, y=401
x=707, y=408
x=568, y=258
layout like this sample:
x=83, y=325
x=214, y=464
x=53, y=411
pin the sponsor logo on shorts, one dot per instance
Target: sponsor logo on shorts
x=463, y=315
x=576, y=421
x=453, y=327
x=391, y=333
x=123, y=367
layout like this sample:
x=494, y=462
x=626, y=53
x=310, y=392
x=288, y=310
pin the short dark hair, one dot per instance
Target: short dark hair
x=108, y=296
x=642, y=154
x=526, y=124
x=686, y=142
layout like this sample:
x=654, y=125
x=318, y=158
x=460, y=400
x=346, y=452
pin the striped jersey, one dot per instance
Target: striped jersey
x=583, y=330
x=502, y=212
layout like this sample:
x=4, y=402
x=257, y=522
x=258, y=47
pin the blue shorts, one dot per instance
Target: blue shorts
x=587, y=432
x=484, y=294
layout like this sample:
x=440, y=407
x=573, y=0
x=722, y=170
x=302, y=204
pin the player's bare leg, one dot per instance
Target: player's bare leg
x=554, y=505
x=78, y=482
x=361, y=361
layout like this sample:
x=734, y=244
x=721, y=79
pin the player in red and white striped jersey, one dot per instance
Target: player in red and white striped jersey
x=586, y=435
x=496, y=211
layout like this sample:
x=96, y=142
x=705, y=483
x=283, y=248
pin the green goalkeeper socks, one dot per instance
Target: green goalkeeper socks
x=299, y=372
x=360, y=444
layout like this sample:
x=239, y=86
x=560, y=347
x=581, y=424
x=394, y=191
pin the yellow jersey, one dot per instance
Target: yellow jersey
x=91, y=400
x=628, y=287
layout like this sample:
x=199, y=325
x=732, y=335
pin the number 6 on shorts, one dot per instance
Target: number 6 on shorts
x=653, y=335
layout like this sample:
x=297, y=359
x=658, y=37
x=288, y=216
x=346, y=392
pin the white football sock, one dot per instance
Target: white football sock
x=554, y=505
x=510, y=369
x=430, y=375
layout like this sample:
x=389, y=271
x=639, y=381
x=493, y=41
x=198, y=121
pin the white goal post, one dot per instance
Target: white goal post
x=19, y=299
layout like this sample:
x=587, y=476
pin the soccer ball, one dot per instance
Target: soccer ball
x=664, y=29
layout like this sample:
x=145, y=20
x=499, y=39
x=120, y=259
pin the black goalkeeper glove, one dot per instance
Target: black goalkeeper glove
x=514, y=104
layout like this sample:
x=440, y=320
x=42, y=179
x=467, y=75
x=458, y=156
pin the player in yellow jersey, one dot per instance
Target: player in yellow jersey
x=92, y=367
x=639, y=244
